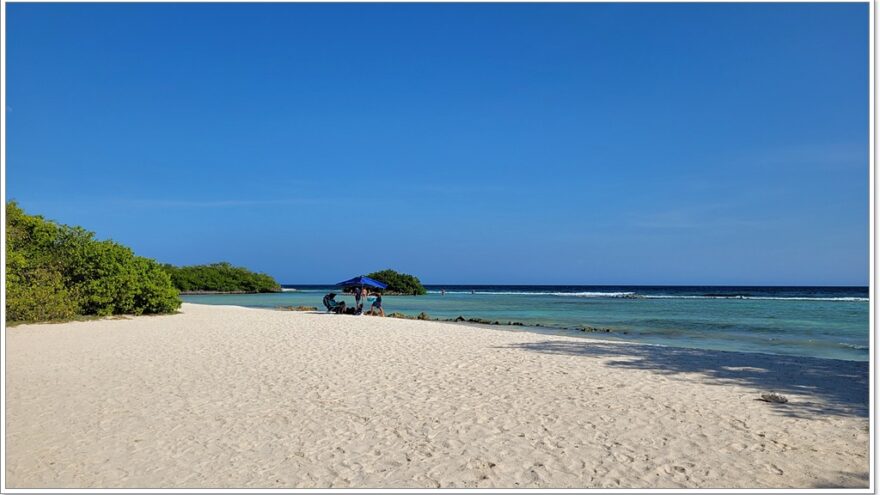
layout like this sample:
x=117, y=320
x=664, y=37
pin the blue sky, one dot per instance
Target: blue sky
x=463, y=143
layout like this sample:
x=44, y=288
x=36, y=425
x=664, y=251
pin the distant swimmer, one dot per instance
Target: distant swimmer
x=473, y=291
x=442, y=292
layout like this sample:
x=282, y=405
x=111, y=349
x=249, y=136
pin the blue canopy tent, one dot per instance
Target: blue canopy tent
x=362, y=282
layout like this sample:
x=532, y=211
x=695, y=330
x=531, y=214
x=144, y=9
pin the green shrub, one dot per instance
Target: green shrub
x=220, y=277
x=399, y=283
x=39, y=296
x=115, y=281
x=57, y=271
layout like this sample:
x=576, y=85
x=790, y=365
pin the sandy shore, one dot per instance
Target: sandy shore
x=232, y=397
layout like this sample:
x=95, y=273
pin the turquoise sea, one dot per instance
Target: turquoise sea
x=822, y=322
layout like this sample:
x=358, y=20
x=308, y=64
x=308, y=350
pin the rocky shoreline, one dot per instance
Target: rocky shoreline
x=478, y=321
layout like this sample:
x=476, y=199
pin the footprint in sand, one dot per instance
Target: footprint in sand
x=773, y=468
x=670, y=470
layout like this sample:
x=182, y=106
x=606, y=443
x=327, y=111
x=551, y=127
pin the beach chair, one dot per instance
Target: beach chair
x=330, y=302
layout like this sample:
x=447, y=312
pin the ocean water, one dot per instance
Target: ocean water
x=823, y=322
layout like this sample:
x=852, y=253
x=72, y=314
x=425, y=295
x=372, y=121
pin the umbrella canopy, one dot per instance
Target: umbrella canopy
x=362, y=282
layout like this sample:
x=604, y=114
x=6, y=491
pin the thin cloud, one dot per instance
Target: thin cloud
x=219, y=203
x=461, y=189
x=706, y=217
x=821, y=154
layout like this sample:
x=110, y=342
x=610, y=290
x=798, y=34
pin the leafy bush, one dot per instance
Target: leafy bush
x=39, y=295
x=220, y=277
x=57, y=271
x=116, y=281
x=399, y=283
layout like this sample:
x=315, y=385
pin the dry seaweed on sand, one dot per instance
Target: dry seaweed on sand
x=296, y=308
x=774, y=398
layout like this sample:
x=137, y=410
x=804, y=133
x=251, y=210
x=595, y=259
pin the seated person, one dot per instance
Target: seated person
x=342, y=309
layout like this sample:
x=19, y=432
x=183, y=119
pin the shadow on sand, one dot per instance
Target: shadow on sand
x=846, y=480
x=825, y=386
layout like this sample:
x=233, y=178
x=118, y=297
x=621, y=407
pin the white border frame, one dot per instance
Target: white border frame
x=871, y=288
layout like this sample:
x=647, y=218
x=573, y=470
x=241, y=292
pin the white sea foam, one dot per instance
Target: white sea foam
x=594, y=294
x=853, y=346
x=768, y=298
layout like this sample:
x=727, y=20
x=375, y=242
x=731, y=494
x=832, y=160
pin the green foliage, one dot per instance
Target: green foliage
x=220, y=277
x=57, y=271
x=399, y=283
x=39, y=295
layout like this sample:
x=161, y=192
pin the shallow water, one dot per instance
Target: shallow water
x=816, y=322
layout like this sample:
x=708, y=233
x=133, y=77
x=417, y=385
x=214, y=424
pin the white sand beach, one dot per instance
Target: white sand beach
x=228, y=397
